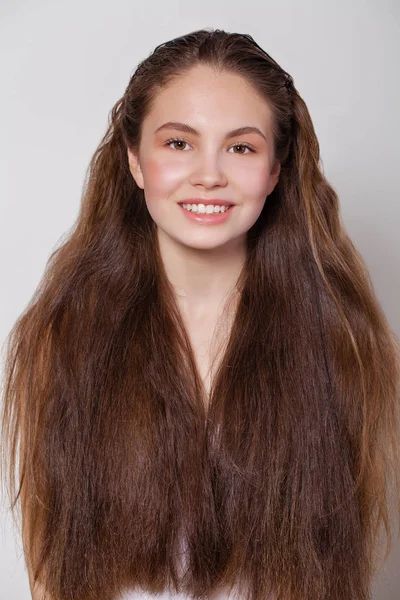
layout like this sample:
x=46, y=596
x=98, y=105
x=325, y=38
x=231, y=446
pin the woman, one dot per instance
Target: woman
x=204, y=387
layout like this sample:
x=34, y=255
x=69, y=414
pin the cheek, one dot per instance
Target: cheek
x=161, y=176
x=253, y=180
x=162, y=180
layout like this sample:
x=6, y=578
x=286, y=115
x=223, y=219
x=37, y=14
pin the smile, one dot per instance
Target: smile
x=206, y=209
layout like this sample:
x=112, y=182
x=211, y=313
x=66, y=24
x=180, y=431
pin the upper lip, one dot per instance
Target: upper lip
x=205, y=202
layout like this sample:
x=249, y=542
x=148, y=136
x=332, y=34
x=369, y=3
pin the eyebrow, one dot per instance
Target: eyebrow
x=188, y=129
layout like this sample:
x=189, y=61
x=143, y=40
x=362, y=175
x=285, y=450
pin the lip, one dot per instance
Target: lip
x=218, y=201
x=205, y=218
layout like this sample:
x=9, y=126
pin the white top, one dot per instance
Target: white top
x=139, y=595
x=222, y=593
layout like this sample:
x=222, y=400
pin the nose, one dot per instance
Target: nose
x=208, y=172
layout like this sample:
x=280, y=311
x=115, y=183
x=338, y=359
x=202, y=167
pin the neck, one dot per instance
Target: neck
x=202, y=279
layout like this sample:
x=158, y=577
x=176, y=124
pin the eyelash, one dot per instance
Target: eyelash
x=243, y=144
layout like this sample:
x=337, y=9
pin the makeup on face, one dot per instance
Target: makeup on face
x=206, y=144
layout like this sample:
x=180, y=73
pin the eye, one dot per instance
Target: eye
x=175, y=141
x=243, y=145
x=181, y=141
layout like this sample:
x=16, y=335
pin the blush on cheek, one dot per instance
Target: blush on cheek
x=254, y=183
x=164, y=174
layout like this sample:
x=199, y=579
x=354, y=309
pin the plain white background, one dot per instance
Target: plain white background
x=64, y=65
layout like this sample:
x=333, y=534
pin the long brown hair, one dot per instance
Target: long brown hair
x=283, y=483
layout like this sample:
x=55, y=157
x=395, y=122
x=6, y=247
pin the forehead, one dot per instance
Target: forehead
x=205, y=97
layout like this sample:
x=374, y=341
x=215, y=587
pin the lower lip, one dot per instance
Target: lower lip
x=207, y=218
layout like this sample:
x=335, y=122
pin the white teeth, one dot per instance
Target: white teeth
x=205, y=209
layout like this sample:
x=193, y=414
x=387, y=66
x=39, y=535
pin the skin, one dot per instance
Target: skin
x=202, y=261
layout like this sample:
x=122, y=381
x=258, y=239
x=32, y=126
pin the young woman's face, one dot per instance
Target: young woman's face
x=208, y=162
